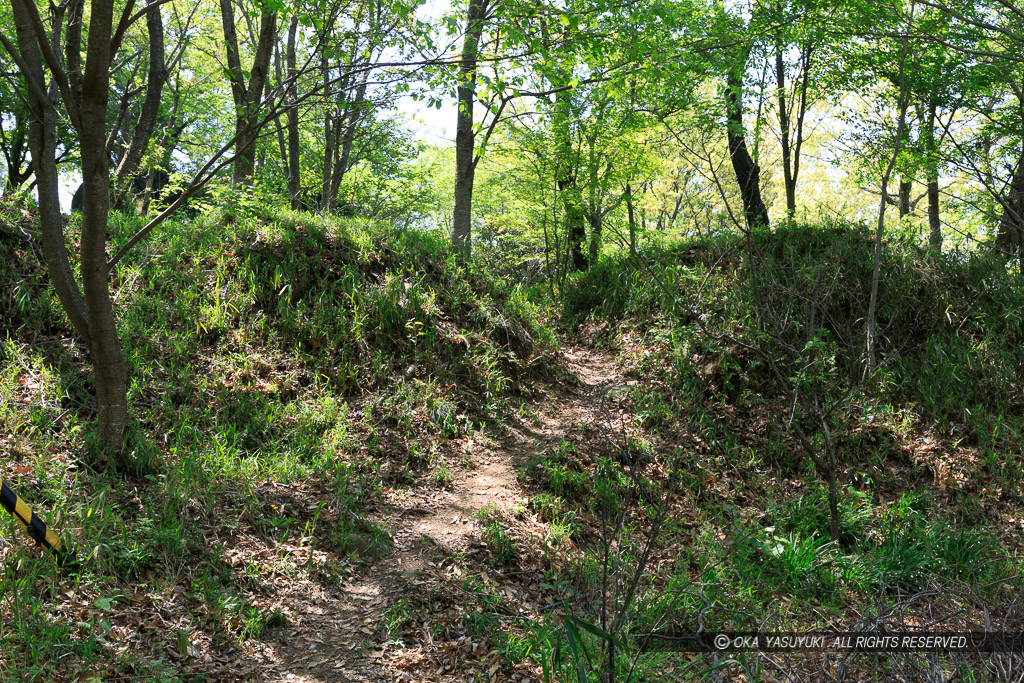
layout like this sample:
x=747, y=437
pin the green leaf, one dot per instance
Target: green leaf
x=103, y=603
x=724, y=663
x=597, y=631
x=574, y=638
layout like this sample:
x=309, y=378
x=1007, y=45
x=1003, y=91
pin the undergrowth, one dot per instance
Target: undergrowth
x=268, y=352
x=286, y=370
x=928, y=447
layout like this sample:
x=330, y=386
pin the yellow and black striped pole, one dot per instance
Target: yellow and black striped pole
x=35, y=526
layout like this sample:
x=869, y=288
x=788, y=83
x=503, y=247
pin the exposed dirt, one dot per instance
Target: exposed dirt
x=341, y=632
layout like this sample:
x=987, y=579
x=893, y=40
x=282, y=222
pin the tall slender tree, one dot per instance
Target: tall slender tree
x=748, y=173
x=247, y=96
x=89, y=306
x=465, y=135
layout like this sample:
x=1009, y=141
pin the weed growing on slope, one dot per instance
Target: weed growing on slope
x=284, y=369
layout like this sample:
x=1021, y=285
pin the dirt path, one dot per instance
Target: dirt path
x=334, y=633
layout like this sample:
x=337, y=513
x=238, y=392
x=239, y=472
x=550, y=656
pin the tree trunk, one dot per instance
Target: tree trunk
x=351, y=119
x=330, y=197
x=294, y=179
x=90, y=309
x=465, y=138
x=16, y=151
x=151, y=102
x=567, y=165
x=16, y=177
x=575, y=225
x=42, y=139
x=934, y=221
x=17, y=170
x=1010, y=236
x=632, y=219
x=105, y=346
x=330, y=149
x=282, y=146
x=787, y=153
x=577, y=236
x=906, y=185
x=247, y=97
x=748, y=174
x=871, y=321
x=596, y=224
x=792, y=140
x=73, y=49
x=932, y=187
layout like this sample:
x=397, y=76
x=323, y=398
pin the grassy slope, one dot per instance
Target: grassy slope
x=279, y=348
x=929, y=448
x=928, y=451
x=282, y=349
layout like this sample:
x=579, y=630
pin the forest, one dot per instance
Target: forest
x=511, y=340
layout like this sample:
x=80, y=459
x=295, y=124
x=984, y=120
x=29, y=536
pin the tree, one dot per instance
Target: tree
x=984, y=38
x=292, y=157
x=346, y=61
x=14, y=142
x=89, y=307
x=247, y=97
x=871, y=321
x=748, y=173
x=465, y=135
x=936, y=81
x=83, y=100
x=800, y=30
x=129, y=163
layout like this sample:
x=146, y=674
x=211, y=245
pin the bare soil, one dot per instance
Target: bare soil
x=341, y=632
